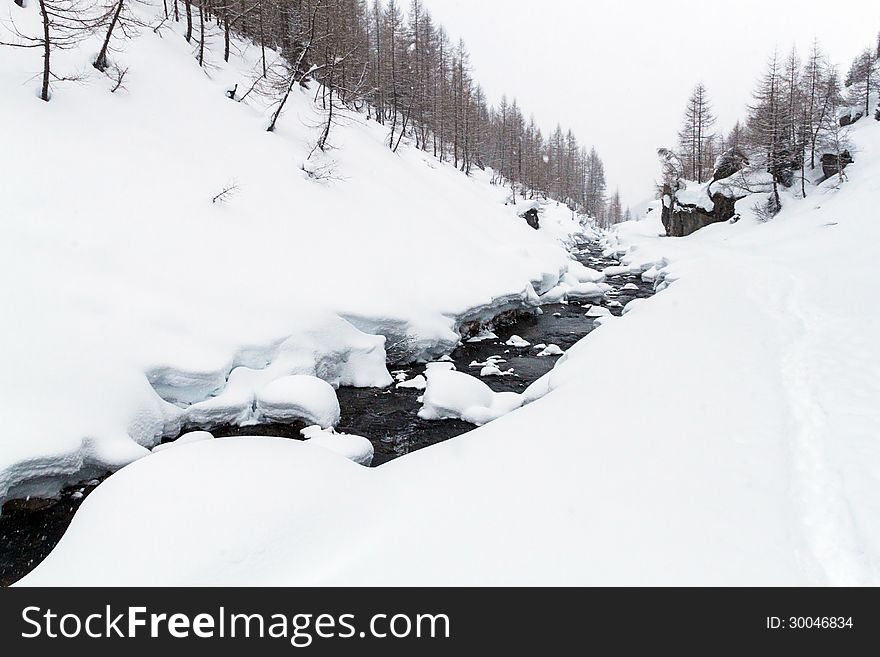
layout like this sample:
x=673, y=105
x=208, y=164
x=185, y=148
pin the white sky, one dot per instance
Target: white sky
x=619, y=72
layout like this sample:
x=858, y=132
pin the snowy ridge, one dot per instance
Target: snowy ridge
x=136, y=298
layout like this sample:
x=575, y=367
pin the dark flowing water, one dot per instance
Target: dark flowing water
x=388, y=417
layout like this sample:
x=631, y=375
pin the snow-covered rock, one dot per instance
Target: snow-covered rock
x=456, y=395
x=597, y=311
x=518, y=342
x=418, y=382
x=482, y=336
x=588, y=291
x=299, y=397
x=551, y=350
x=354, y=448
x=494, y=370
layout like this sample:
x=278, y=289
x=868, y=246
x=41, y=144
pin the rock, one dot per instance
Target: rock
x=831, y=165
x=682, y=219
x=531, y=217
x=852, y=117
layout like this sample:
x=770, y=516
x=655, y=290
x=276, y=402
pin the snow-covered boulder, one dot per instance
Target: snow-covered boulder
x=299, y=397
x=354, y=448
x=597, y=311
x=551, y=350
x=518, y=342
x=456, y=395
x=417, y=382
x=482, y=336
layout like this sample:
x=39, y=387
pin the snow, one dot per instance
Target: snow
x=752, y=461
x=299, y=397
x=585, y=274
x=597, y=311
x=551, y=350
x=482, y=336
x=518, y=342
x=153, y=307
x=494, y=370
x=620, y=270
x=695, y=194
x=185, y=439
x=456, y=395
x=587, y=291
x=418, y=382
x=354, y=448
x=440, y=365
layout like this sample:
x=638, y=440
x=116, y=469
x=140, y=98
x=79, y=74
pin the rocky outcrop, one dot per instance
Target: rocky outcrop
x=683, y=219
x=833, y=165
x=531, y=217
x=852, y=117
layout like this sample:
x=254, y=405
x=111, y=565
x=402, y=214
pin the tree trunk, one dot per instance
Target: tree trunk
x=101, y=59
x=225, y=35
x=47, y=46
x=189, y=20
x=201, y=32
x=262, y=39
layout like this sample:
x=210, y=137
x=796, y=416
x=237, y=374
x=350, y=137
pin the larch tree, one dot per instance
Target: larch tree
x=863, y=79
x=768, y=129
x=696, y=136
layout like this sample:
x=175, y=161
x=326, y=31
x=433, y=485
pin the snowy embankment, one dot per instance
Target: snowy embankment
x=135, y=304
x=723, y=432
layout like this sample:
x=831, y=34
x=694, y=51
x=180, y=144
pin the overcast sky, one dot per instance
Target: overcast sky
x=619, y=72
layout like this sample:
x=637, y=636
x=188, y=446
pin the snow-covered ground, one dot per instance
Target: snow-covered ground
x=125, y=287
x=722, y=432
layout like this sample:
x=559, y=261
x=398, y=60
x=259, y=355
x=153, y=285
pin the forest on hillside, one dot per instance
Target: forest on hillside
x=800, y=110
x=397, y=65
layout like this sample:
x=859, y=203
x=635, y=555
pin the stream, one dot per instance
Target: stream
x=29, y=529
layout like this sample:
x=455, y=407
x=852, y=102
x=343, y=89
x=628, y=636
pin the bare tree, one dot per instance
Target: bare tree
x=768, y=127
x=64, y=24
x=863, y=79
x=696, y=134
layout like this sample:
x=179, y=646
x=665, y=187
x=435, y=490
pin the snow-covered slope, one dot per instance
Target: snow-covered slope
x=121, y=278
x=723, y=432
